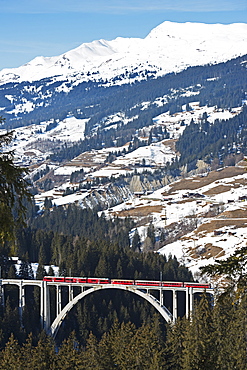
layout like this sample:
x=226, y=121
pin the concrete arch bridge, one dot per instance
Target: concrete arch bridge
x=144, y=289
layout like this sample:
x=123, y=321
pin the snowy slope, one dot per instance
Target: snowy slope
x=203, y=204
x=167, y=48
x=26, y=139
x=204, y=218
x=29, y=141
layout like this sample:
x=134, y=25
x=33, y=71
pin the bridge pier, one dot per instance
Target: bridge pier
x=2, y=294
x=46, y=303
x=187, y=297
x=175, y=305
x=161, y=297
x=42, y=289
x=21, y=299
x=71, y=292
x=189, y=301
x=59, y=299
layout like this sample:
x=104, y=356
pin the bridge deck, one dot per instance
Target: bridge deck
x=24, y=282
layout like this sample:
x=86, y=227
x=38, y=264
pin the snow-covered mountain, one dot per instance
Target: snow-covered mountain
x=170, y=47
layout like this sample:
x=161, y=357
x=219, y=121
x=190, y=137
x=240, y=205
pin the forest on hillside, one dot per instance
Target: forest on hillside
x=212, y=338
x=222, y=85
x=81, y=243
x=216, y=141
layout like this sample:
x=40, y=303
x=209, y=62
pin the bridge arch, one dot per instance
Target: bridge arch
x=165, y=313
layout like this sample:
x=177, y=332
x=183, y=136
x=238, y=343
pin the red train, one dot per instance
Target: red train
x=89, y=280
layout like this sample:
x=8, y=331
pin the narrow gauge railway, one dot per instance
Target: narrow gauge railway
x=88, y=280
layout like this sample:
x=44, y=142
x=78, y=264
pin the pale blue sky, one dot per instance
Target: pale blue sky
x=29, y=28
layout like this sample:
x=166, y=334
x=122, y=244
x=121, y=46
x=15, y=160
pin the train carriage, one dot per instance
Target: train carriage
x=122, y=282
x=196, y=285
x=98, y=280
x=147, y=283
x=174, y=284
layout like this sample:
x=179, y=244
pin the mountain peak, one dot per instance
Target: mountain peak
x=94, y=49
x=192, y=29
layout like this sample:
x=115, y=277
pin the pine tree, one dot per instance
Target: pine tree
x=12, y=272
x=91, y=360
x=239, y=337
x=24, y=270
x=13, y=191
x=102, y=268
x=105, y=351
x=151, y=233
x=11, y=322
x=27, y=350
x=69, y=355
x=44, y=356
x=136, y=242
x=47, y=203
x=233, y=268
x=175, y=344
x=50, y=271
x=199, y=341
x=13, y=196
x=120, y=341
x=147, y=349
x=11, y=357
x=40, y=273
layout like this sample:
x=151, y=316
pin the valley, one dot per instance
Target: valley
x=192, y=216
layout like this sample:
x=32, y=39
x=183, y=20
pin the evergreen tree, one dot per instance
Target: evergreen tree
x=27, y=350
x=151, y=233
x=70, y=355
x=40, y=273
x=13, y=196
x=47, y=203
x=120, y=337
x=229, y=323
x=106, y=353
x=12, y=274
x=11, y=356
x=25, y=271
x=92, y=360
x=11, y=323
x=175, y=345
x=13, y=191
x=147, y=349
x=50, y=271
x=199, y=343
x=44, y=356
x=136, y=242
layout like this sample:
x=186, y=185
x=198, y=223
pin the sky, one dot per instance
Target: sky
x=30, y=28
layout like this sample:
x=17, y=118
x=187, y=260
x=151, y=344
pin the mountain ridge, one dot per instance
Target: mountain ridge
x=169, y=47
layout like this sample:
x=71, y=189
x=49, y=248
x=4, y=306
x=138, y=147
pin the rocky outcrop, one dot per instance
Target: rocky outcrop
x=118, y=192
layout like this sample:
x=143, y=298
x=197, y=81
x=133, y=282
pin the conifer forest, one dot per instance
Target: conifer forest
x=115, y=330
